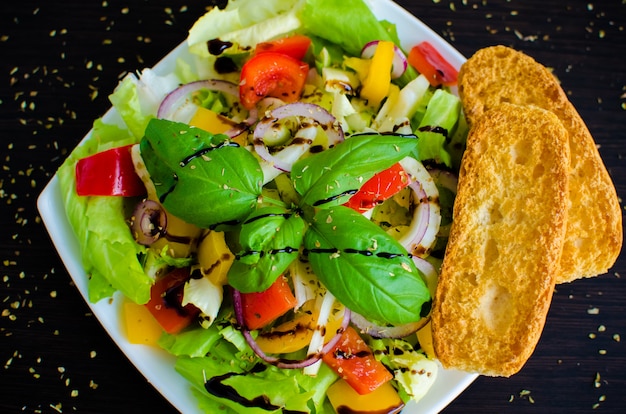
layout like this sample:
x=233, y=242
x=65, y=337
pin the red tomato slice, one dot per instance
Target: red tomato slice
x=165, y=303
x=271, y=74
x=261, y=308
x=379, y=188
x=108, y=173
x=295, y=46
x=429, y=62
x=353, y=360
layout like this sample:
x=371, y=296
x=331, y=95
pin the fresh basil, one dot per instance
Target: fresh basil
x=364, y=267
x=270, y=240
x=331, y=177
x=201, y=178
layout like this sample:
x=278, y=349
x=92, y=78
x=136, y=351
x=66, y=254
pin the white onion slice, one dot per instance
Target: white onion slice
x=284, y=159
x=399, y=64
x=422, y=233
x=379, y=331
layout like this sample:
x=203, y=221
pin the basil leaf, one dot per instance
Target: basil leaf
x=201, y=178
x=364, y=267
x=270, y=239
x=331, y=177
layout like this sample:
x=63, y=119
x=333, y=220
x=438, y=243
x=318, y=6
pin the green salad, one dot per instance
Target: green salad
x=279, y=204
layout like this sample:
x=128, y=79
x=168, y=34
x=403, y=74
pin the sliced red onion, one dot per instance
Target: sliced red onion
x=426, y=220
x=431, y=275
x=444, y=178
x=177, y=105
x=284, y=159
x=381, y=331
x=280, y=362
x=399, y=64
x=148, y=222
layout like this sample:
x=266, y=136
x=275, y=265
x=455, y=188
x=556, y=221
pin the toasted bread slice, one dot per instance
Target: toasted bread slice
x=594, y=231
x=502, y=258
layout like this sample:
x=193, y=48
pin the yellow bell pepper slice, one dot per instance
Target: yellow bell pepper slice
x=214, y=257
x=376, y=84
x=140, y=325
x=210, y=121
x=344, y=398
x=425, y=339
x=296, y=334
x=181, y=237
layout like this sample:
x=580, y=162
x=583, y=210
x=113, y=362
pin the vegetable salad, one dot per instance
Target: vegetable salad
x=278, y=206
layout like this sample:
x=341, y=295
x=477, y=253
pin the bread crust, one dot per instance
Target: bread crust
x=594, y=231
x=505, y=245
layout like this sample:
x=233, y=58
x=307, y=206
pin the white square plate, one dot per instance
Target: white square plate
x=156, y=365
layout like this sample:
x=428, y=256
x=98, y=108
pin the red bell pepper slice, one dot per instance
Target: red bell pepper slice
x=379, y=188
x=261, y=308
x=353, y=360
x=108, y=173
x=295, y=46
x=429, y=62
x=271, y=74
x=165, y=304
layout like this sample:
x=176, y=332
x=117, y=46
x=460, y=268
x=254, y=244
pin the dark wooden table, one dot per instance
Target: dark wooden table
x=60, y=60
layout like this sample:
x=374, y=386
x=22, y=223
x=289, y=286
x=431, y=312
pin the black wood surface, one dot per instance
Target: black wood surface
x=60, y=60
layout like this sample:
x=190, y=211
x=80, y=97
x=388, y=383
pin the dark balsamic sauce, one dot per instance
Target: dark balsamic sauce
x=217, y=47
x=225, y=65
x=334, y=197
x=216, y=386
x=204, y=151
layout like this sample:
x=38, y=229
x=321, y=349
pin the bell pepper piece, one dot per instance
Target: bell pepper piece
x=295, y=334
x=214, y=257
x=295, y=46
x=108, y=173
x=425, y=339
x=141, y=327
x=165, y=302
x=261, y=308
x=353, y=360
x=210, y=121
x=344, y=398
x=376, y=84
x=429, y=62
x=379, y=188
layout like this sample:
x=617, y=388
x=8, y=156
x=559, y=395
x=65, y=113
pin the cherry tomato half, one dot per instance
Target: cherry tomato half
x=271, y=74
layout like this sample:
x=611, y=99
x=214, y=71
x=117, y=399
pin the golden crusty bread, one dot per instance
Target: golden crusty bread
x=594, y=231
x=509, y=222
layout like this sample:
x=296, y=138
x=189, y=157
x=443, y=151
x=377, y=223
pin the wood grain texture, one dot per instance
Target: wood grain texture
x=60, y=60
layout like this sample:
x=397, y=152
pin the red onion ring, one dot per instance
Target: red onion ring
x=280, y=362
x=316, y=113
x=400, y=63
x=171, y=104
x=445, y=179
x=431, y=275
x=426, y=215
x=379, y=331
x=148, y=222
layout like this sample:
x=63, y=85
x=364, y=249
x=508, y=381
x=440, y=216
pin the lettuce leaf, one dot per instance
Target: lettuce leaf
x=245, y=22
x=108, y=250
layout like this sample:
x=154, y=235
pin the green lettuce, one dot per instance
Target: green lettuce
x=108, y=249
x=441, y=117
x=245, y=22
x=222, y=358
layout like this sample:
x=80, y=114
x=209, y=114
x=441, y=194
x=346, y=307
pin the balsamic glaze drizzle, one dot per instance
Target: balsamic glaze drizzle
x=334, y=197
x=203, y=151
x=216, y=386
